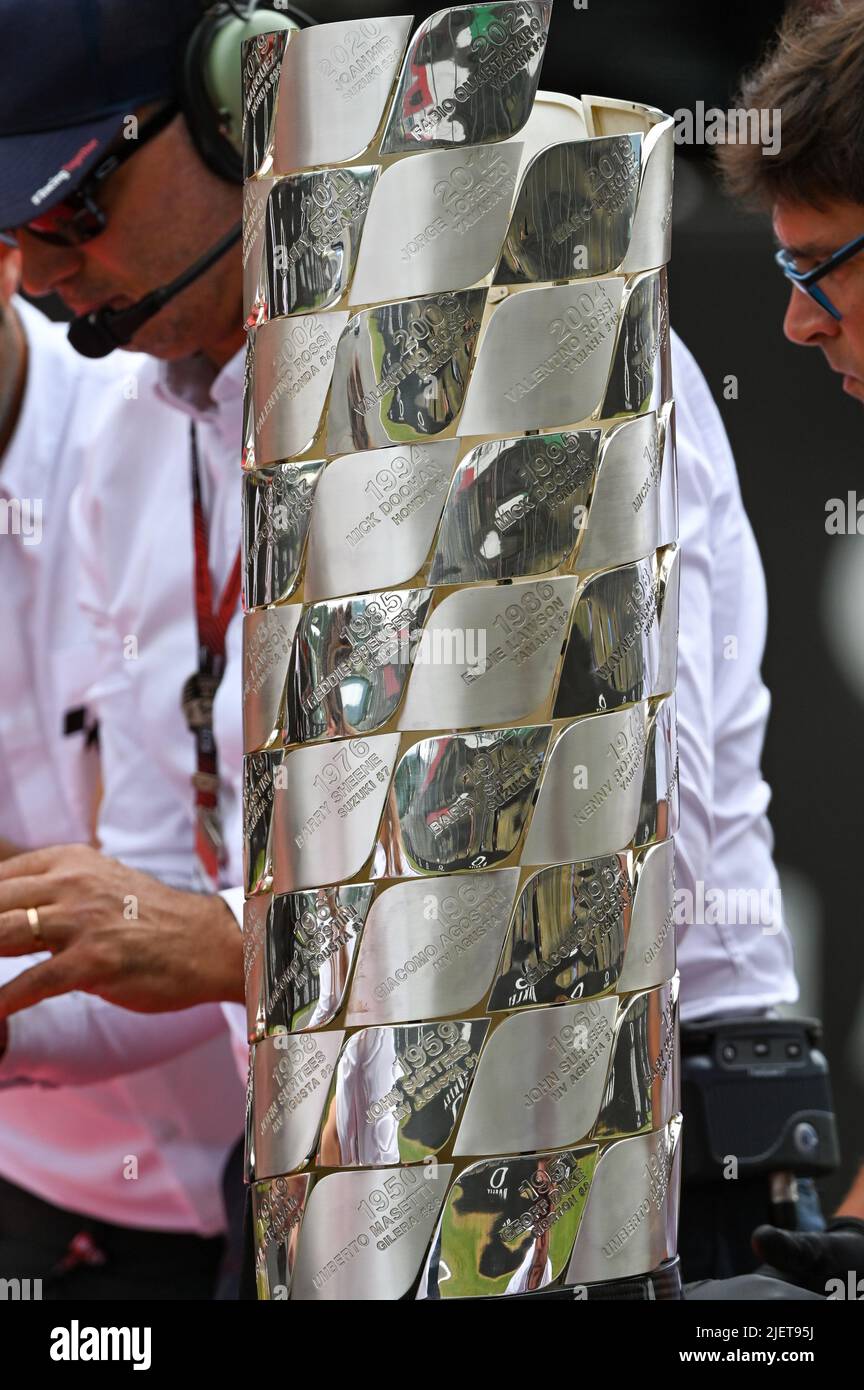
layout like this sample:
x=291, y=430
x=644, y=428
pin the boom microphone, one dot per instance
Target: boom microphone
x=100, y=332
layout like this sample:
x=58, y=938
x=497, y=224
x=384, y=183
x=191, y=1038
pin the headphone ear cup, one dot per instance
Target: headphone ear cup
x=212, y=84
x=205, y=122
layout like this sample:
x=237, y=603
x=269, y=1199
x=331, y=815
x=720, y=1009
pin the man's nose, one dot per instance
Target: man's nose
x=44, y=267
x=806, y=322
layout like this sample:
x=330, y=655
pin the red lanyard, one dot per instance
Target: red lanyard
x=200, y=690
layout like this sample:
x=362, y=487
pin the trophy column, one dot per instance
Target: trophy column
x=460, y=642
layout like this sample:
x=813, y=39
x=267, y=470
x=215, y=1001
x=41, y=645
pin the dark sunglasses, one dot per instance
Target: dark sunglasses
x=808, y=280
x=79, y=218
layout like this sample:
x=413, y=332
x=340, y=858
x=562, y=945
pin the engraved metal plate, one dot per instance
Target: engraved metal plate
x=470, y=75
x=293, y=364
x=312, y=938
x=260, y=771
x=313, y=227
x=544, y=358
x=460, y=802
x=277, y=1211
x=335, y=83
x=255, y=915
x=365, y=1233
x=255, y=300
x=322, y=786
x=401, y=370
x=643, y=1089
x=277, y=506
x=263, y=56
x=291, y=1079
x=430, y=947
x=376, y=516
x=516, y=507
x=436, y=223
x=651, y=944
x=268, y=634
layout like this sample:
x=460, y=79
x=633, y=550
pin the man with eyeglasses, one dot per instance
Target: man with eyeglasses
x=103, y=239
x=814, y=189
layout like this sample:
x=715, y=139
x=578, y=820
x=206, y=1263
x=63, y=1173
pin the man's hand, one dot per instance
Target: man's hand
x=115, y=932
x=811, y=1258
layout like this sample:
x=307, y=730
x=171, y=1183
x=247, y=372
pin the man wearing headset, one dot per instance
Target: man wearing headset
x=101, y=230
x=814, y=190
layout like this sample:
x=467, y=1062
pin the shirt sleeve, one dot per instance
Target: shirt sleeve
x=695, y=686
x=78, y=1039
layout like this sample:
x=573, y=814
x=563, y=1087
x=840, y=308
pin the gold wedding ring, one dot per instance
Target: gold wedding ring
x=36, y=928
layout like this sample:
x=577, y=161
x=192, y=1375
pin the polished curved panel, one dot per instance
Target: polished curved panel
x=365, y=1234
x=489, y=655
x=544, y=358
x=460, y=802
x=268, y=635
x=575, y=211
x=312, y=938
x=277, y=1212
x=334, y=87
x=436, y=223
x=642, y=1091
x=658, y=810
x=635, y=379
x=322, y=786
x=516, y=507
x=430, y=947
x=650, y=956
x=277, y=506
x=568, y=936
x=291, y=1078
x=470, y=76
x=260, y=772
x=375, y=517
x=352, y=660
x=397, y=1093
x=627, y=518
x=293, y=365
x=651, y=242
x=262, y=59
x=540, y=1079
x=256, y=307
x=313, y=227
x=401, y=371
x=256, y=912
x=630, y=1221
x=509, y=1225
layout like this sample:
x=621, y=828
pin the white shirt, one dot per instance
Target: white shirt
x=725, y=839
x=72, y=1146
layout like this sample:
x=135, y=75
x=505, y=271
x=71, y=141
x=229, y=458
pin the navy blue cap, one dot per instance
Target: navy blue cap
x=72, y=70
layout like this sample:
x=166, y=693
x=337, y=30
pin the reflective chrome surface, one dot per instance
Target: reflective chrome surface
x=268, y=636
x=277, y=506
x=470, y=75
x=313, y=228
x=312, y=938
x=401, y=370
x=293, y=365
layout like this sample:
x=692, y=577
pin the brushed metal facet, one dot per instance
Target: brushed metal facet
x=575, y=211
x=436, y=222
x=313, y=227
x=626, y=520
x=489, y=655
x=430, y=947
x=658, y=811
x=277, y=1212
x=469, y=76
x=401, y=370
x=322, y=786
x=335, y=84
x=651, y=240
x=509, y=1225
x=293, y=364
x=386, y=503
x=544, y=359
x=365, y=1233
x=312, y=938
x=670, y=583
x=262, y=58
x=516, y=507
x=650, y=956
x=398, y=1092
x=268, y=635
x=636, y=380
x=255, y=299
x=259, y=774
x=255, y=915
x=630, y=1222
x=568, y=935
x=291, y=1079
x=277, y=506
x=540, y=1079
x=460, y=802
x=351, y=664
x=591, y=793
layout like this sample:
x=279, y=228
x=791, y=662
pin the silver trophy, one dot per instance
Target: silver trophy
x=461, y=591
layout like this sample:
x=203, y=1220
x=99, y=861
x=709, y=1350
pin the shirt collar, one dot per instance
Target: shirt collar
x=195, y=387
